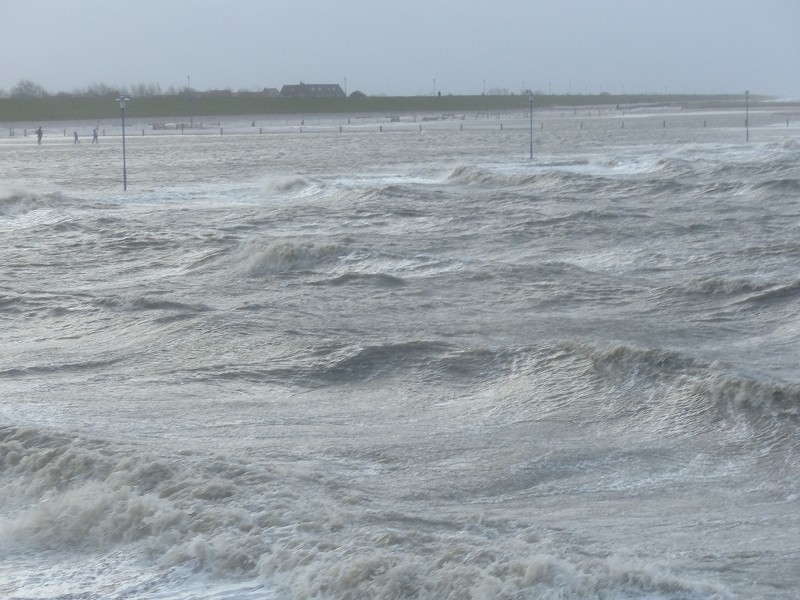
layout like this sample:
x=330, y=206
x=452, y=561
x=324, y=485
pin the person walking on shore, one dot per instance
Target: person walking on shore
x=39, y=135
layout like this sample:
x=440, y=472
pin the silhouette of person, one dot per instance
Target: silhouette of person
x=94, y=136
x=39, y=135
x=75, y=133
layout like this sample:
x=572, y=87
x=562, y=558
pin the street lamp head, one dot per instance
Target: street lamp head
x=122, y=100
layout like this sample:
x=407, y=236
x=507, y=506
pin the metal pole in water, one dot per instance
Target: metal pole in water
x=747, y=115
x=122, y=100
x=530, y=97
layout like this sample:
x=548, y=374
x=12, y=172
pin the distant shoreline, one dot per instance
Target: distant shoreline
x=62, y=108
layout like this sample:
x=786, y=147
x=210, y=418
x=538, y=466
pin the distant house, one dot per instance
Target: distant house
x=313, y=90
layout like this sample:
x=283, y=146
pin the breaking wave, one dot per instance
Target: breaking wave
x=257, y=257
x=190, y=512
x=468, y=174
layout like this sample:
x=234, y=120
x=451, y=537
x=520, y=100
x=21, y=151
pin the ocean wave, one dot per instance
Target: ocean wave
x=67, y=492
x=353, y=364
x=679, y=393
x=674, y=166
x=370, y=362
x=13, y=304
x=452, y=567
x=287, y=184
x=257, y=257
x=234, y=520
x=147, y=303
x=785, y=185
x=382, y=280
x=469, y=174
x=726, y=286
x=654, y=362
x=776, y=292
x=64, y=367
x=13, y=204
x=733, y=395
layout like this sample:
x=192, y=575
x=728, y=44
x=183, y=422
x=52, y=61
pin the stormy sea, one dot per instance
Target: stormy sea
x=351, y=358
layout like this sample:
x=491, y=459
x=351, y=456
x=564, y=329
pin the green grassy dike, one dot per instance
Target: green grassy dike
x=65, y=108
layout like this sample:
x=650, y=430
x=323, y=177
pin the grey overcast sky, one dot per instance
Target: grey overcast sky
x=400, y=47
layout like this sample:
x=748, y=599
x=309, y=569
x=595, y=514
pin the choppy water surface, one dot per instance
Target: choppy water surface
x=403, y=364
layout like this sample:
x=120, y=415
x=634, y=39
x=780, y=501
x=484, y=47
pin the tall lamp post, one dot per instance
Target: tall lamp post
x=122, y=100
x=530, y=110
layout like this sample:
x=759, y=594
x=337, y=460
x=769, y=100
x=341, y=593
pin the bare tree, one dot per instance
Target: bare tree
x=28, y=89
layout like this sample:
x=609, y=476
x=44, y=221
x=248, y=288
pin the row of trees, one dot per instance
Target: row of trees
x=29, y=89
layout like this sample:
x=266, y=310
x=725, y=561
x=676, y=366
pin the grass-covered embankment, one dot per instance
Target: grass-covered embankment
x=65, y=108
